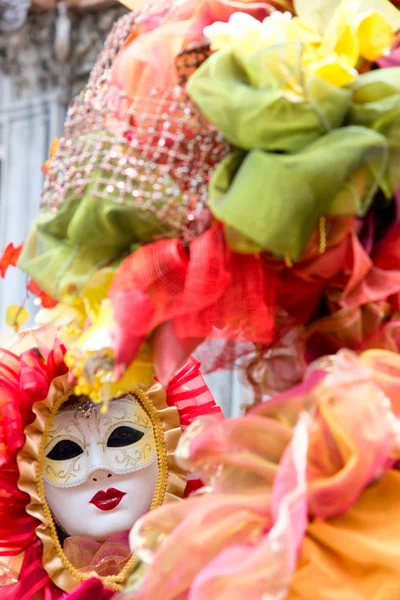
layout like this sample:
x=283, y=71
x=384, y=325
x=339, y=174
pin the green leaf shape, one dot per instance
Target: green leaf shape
x=376, y=104
x=276, y=201
x=63, y=250
x=261, y=100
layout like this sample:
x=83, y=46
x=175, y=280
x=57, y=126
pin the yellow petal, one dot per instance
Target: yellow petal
x=16, y=316
x=385, y=8
x=140, y=375
x=375, y=36
x=335, y=72
x=98, y=336
x=61, y=315
x=316, y=13
x=347, y=45
x=95, y=291
x=299, y=30
x=360, y=29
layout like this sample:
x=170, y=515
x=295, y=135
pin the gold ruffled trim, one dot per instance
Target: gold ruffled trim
x=170, y=485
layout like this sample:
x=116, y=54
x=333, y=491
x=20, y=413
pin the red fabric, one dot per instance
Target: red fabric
x=207, y=292
x=189, y=393
x=303, y=285
x=92, y=589
x=192, y=486
x=46, y=300
x=9, y=258
x=24, y=380
x=34, y=583
x=361, y=279
x=387, y=253
x=17, y=528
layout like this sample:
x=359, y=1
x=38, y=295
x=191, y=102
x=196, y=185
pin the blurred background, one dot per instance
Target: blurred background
x=47, y=49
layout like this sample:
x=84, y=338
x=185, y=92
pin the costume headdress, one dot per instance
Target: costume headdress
x=193, y=194
x=230, y=173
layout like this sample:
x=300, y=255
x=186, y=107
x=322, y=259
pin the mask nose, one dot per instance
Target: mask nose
x=97, y=466
x=101, y=475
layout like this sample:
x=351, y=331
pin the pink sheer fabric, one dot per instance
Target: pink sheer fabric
x=149, y=55
x=264, y=570
x=343, y=457
x=105, y=558
x=308, y=453
x=235, y=456
x=233, y=539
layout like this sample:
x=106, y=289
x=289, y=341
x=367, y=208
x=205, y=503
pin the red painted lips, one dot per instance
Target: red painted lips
x=107, y=500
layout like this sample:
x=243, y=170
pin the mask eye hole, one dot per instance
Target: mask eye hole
x=65, y=450
x=124, y=436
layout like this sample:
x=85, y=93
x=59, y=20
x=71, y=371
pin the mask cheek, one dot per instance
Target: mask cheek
x=64, y=473
x=66, y=503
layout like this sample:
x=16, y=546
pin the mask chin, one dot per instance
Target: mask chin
x=103, y=505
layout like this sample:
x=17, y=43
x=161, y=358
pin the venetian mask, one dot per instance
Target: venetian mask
x=95, y=474
x=100, y=470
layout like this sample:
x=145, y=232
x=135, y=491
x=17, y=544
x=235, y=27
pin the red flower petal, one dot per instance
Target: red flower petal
x=46, y=300
x=9, y=258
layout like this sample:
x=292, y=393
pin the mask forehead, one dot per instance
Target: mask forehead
x=121, y=411
x=70, y=424
x=91, y=431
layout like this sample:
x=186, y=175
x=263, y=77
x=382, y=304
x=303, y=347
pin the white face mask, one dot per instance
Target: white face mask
x=100, y=470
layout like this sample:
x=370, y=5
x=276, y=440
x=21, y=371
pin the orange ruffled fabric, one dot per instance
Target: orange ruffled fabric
x=355, y=556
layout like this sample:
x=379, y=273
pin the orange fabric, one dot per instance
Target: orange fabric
x=356, y=556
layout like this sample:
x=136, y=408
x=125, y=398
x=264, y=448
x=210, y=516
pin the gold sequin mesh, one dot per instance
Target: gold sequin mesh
x=159, y=158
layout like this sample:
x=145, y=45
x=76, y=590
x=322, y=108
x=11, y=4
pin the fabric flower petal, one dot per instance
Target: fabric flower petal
x=294, y=181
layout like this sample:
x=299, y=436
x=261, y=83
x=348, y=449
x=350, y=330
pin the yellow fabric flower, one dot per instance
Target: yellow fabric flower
x=91, y=360
x=357, y=28
x=375, y=36
x=98, y=335
x=334, y=37
x=90, y=356
x=95, y=291
x=335, y=71
x=249, y=35
x=96, y=379
x=69, y=319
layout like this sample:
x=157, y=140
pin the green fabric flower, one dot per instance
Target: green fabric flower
x=376, y=104
x=63, y=250
x=275, y=200
x=260, y=100
x=306, y=149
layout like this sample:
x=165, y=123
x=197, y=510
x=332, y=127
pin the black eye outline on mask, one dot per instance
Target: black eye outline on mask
x=65, y=450
x=124, y=436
